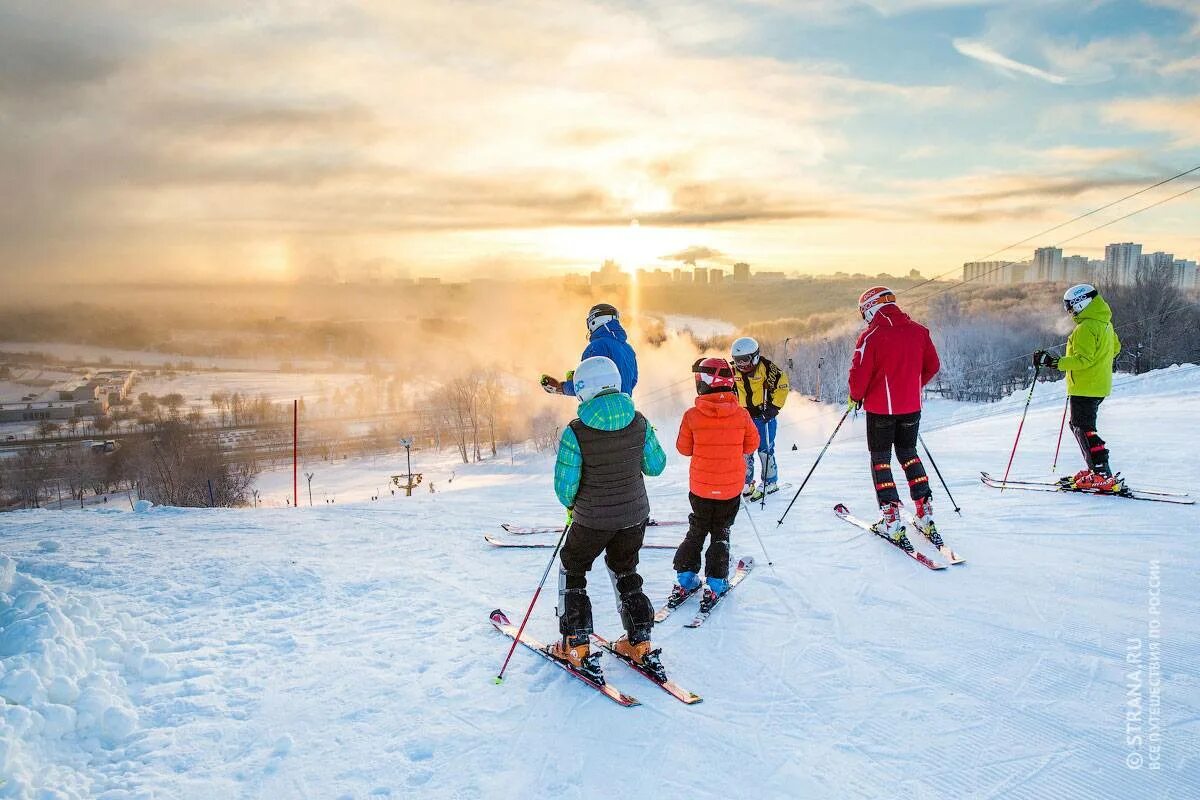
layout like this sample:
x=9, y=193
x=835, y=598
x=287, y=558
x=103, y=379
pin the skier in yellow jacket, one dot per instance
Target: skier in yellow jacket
x=762, y=389
x=1088, y=363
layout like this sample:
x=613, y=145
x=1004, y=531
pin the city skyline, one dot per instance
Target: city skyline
x=347, y=140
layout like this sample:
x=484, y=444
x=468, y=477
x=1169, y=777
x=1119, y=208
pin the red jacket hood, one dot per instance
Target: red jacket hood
x=717, y=404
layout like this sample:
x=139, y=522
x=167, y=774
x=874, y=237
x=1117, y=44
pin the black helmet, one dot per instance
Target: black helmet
x=600, y=314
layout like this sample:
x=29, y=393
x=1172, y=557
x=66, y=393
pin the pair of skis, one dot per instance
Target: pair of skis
x=1151, y=495
x=519, y=530
x=523, y=530
x=843, y=512
x=744, y=565
x=501, y=622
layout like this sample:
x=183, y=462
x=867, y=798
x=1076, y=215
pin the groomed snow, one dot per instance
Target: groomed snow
x=344, y=651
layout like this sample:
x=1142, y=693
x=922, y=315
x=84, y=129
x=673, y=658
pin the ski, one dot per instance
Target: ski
x=669, y=686
x=743, y=569
x=495, y=542
x=667, y=608
x=844, y=513
x=1128, y=494
x=947, y=553
x=1013, y=483
x=502, y=624
x=520, y=530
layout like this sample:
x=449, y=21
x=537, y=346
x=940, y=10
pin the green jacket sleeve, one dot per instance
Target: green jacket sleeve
x=654, y=460
x=568, y=469
x=1083, y=346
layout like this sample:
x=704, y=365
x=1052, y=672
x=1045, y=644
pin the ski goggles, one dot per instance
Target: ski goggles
x=743, y=361
x=1069, y=305
x=720, y=372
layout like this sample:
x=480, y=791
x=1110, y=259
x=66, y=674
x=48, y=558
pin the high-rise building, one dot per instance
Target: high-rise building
x=1159, y=262
x=609, y=276
x=1186, y=274
x=741, y=271
x=1121, y=263
x=716, y=276
x=656, y=277
x=1003, y=272
x=676, y=275
x=1047, y=264
x=700, y=276
x=1077, y=269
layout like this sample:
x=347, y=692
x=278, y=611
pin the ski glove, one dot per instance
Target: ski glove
x=570, y=515
x=1043, y=359
x=853, y=405
x=769, y=412
x=551, y=385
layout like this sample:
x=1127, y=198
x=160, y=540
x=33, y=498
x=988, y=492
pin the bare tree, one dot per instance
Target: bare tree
x=173, y=401
x=464, y=392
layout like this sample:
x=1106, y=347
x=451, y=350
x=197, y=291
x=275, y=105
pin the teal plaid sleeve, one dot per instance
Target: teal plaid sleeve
x=654, y=460
x=568, y=469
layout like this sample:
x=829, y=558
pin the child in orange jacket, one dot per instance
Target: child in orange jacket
x=717, y=433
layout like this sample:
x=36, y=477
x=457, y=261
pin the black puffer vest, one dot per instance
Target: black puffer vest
x=612, y=491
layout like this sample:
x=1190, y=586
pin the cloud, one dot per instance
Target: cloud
x=1176, y=117
x=1181, y=66
x=693, y=254
x=384, y=121
x=982, y=52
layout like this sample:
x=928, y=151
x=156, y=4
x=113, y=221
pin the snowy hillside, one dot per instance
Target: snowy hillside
x=343, y=651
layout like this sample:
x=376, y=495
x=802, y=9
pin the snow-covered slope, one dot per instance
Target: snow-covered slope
x=344, y=651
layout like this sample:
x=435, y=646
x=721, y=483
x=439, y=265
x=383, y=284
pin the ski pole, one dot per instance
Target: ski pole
x=814, y=466
x=754, y=527
x=528, y=611
x=1061, y=426
x=1036, y=370
x=933, y=463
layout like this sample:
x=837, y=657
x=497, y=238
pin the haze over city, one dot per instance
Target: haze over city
x=372, y=140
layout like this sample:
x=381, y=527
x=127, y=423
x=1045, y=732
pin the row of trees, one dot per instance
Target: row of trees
x=986, y=335
x=174, y=463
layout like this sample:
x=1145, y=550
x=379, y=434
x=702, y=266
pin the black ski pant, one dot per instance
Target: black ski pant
x=899, y=431
x=1083, y=425
x=708, y=518
x=620, y=550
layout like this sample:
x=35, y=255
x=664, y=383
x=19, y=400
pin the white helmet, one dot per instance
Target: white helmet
x=1078, y=297
x=745, y=354
x=594, y=376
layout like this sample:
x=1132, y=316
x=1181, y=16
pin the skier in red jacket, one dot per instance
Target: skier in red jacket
x=893, y=360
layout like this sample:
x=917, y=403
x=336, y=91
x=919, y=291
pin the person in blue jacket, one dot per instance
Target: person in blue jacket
x=606, y=338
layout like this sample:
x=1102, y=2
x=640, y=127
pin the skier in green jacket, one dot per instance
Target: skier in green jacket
x=1088, y=363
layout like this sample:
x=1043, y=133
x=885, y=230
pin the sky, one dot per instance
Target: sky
x=176, y=141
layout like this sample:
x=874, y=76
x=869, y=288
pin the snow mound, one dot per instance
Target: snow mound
x=65, y=702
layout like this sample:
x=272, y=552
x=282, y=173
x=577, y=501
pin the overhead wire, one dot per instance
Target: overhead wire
x=1061, y=225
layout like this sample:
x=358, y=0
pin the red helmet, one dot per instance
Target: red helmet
x=870, y=300
x=713, y=375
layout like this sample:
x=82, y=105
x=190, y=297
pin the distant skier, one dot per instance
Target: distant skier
x=606, y=338
x=762, y=389
x=717, y=433
x=894, y=359
x=1091, y=349
x=602, y=457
